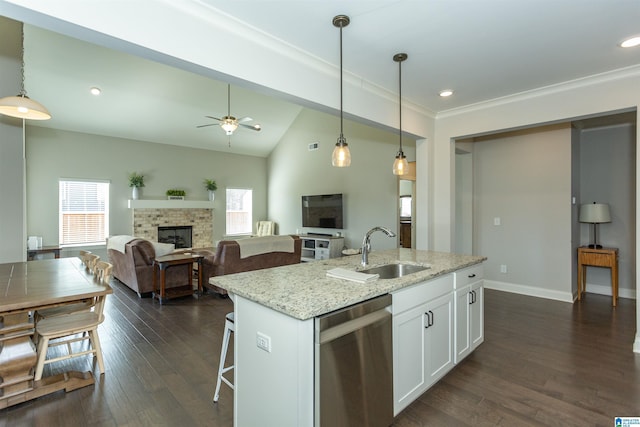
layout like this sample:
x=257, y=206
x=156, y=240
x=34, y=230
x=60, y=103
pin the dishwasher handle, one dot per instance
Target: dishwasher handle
x=353, y=325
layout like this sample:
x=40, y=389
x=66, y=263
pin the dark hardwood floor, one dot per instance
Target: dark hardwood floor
x=543, y=363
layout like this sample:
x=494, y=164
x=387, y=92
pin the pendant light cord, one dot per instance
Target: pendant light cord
x=341, y=132
x=400, y=101
x=23, y=92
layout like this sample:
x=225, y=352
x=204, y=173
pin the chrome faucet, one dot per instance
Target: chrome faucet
x=366, y=242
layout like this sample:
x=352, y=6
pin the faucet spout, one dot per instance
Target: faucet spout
x=366, y=242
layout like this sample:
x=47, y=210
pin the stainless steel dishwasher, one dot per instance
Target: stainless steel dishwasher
x=353, y=366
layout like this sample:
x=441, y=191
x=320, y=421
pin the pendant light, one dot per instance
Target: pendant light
x=341, y=156
x=400, y=165
x=21, y=106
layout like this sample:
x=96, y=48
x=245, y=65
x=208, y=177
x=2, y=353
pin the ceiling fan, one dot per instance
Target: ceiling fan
x=229, y=123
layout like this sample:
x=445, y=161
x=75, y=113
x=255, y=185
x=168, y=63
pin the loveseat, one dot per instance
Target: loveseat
x=132, y=260
x=255, y=253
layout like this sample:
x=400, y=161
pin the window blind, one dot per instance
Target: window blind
x=84, y=212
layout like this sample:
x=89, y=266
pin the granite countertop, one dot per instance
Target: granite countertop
x=303, y=291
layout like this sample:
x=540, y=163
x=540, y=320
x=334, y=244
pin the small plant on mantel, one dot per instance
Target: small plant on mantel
x=174, y=193
x=211, y=186
x=136, y=180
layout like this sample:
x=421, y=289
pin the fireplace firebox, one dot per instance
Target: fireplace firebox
x=180, y=236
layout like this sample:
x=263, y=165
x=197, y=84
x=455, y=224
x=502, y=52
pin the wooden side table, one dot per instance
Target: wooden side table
x=31, y=253
x=603, y=257
x=164, y=262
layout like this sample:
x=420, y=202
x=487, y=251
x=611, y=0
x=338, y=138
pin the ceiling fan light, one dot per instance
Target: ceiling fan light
x=229, y=126
x=23, y=107
x=400, y=165
x=341, y=157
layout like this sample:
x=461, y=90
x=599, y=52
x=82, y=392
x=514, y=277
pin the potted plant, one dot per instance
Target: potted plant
x=211, y=186
x=135, y=182
x=175, y=194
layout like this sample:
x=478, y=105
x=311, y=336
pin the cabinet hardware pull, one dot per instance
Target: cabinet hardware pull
x=430, y=318
x=472, y=275
x=475, y=299
x=428, y=324
x=470, y=297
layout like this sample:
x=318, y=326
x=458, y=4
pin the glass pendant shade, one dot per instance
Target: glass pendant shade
x=400, y=165
x=23, y=107
x=341, y=156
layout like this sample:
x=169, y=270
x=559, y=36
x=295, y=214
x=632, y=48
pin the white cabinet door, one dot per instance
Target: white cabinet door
x=422, y=349
x=462, y=311
x=439, y=338
x=408, y=357
x=476, y=314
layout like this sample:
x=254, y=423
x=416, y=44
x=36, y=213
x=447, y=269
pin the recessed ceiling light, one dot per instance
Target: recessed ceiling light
x=631, y=42
x=95, y=91
x=446, y=92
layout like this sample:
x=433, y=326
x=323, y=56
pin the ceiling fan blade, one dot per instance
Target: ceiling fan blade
x=255, y=127
x=214, y=118
x=245, y=119
x=210, y=124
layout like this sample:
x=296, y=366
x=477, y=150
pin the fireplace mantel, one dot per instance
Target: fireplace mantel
x=170, y=204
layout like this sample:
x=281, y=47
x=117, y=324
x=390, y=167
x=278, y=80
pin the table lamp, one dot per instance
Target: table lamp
x=594, y=214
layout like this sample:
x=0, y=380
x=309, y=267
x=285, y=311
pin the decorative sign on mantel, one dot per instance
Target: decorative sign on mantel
x=170, y=204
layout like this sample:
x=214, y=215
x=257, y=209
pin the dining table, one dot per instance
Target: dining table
x=26, y=287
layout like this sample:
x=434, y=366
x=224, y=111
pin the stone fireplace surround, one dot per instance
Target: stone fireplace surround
x=148, y=215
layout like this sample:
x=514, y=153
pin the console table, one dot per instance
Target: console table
x=164, y=262
x=31, y=253
x=603, y=257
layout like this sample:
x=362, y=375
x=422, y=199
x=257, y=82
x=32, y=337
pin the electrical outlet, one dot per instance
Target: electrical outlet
x=263, y=342
x=497, y=221
x=503, y=268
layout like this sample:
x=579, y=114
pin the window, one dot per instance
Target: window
x=84, y=212
x=239, y=211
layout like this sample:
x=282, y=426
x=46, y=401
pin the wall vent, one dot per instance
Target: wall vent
x=313, y=146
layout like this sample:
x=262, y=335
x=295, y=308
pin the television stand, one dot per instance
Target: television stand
x=318, y=246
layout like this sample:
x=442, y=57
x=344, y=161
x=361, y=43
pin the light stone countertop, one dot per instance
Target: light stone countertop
x=303, y=291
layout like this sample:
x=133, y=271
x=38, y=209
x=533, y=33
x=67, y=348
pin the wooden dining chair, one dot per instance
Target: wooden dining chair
x=102, y=272
x=90, y=261
x=66, y=331
x=83, y=255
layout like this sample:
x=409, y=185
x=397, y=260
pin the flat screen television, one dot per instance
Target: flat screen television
x=322, y=211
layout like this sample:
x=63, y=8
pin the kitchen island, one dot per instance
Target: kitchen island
x=274, y=325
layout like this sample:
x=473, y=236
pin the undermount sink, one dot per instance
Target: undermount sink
x=393, y=271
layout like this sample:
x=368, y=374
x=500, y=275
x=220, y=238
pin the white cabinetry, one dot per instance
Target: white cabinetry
x=321, y=247
x=422, y=338
x=469, y=310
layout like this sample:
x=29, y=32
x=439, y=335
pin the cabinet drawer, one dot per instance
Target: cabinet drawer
x=322, y=253
x=598, y=260
x=468, y=275
x=412, y=296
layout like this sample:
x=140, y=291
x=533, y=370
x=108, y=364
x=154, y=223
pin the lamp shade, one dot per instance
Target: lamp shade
x=23, y=107
x=594, y=213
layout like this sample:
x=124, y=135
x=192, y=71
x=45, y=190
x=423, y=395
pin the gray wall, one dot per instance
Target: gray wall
x=12, y=214
x=54, y=154
x=607, y=171
x=369, y=187
x=524, y=178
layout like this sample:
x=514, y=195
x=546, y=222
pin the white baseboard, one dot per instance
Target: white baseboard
x=606, y=290
x=529, y=290
x=555, y=295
